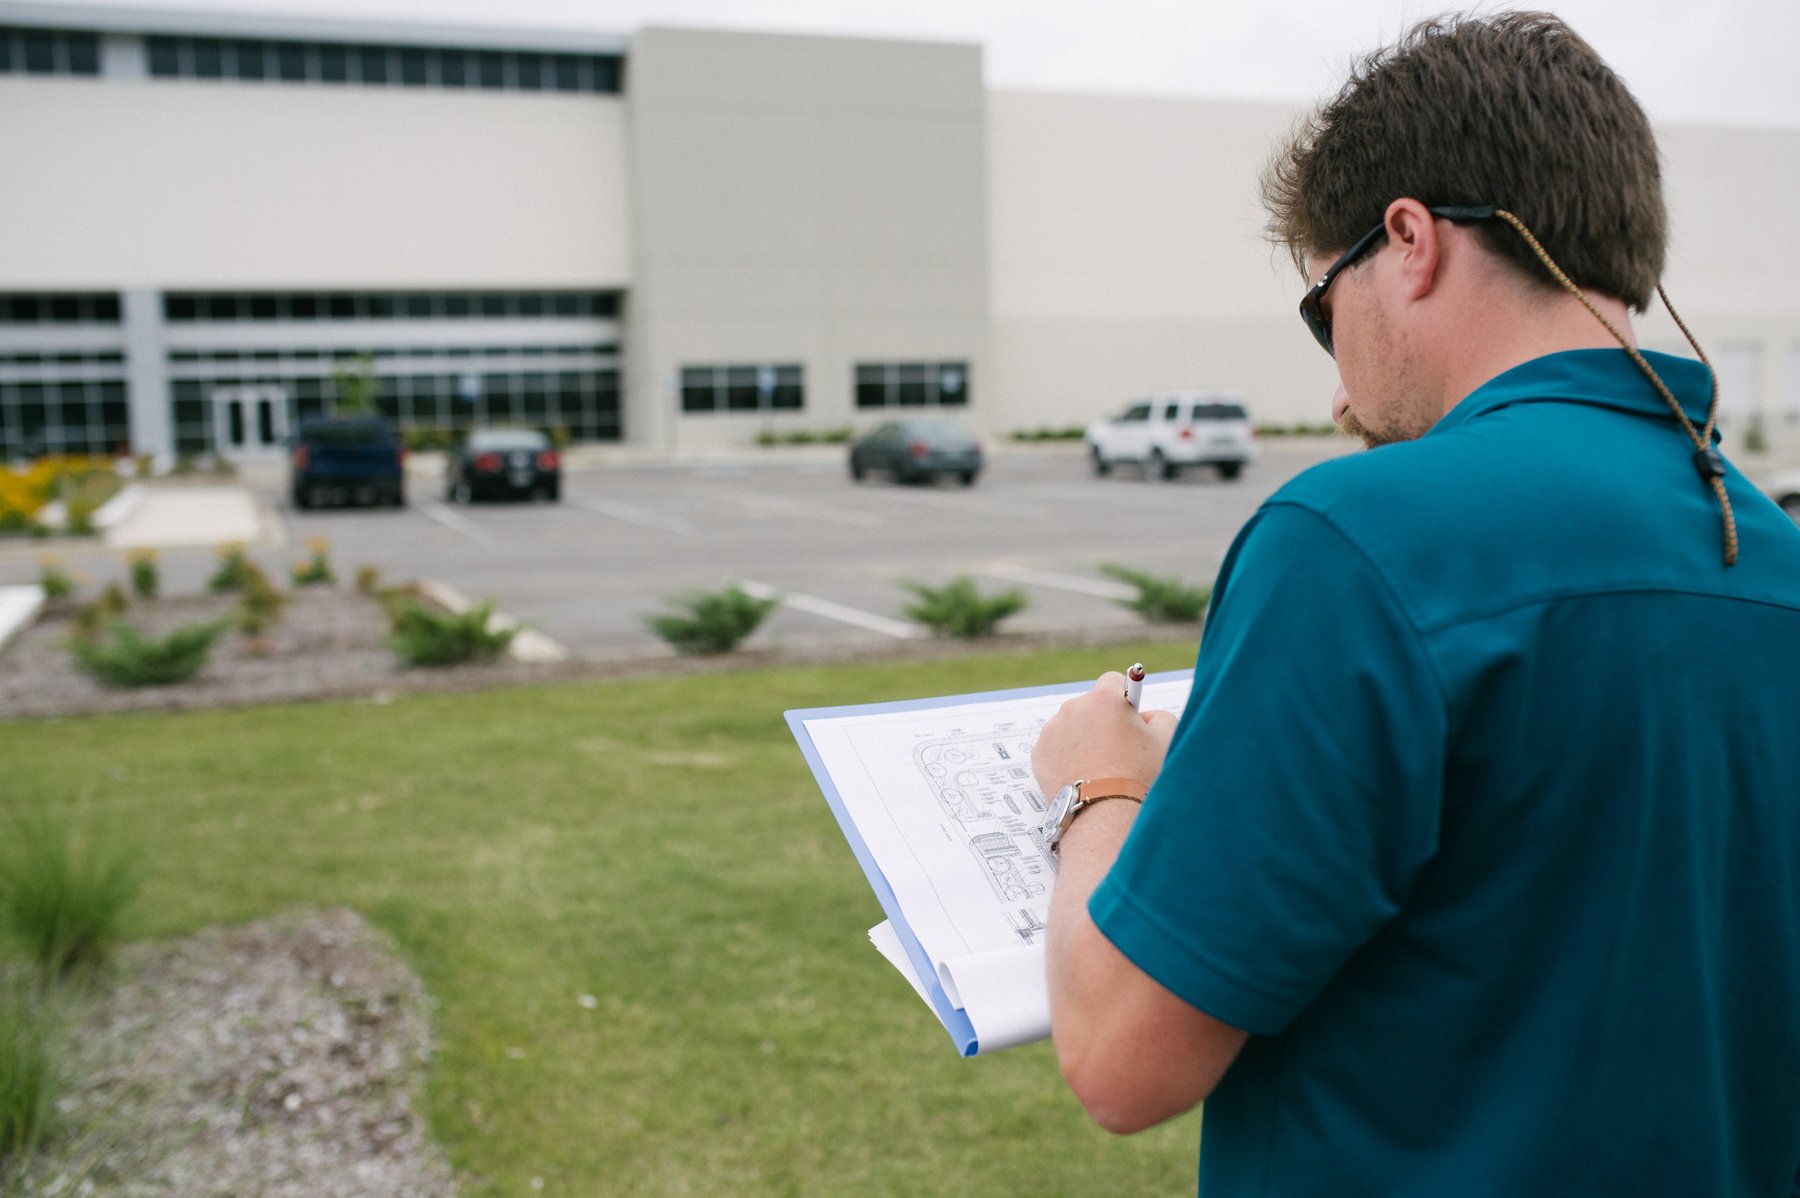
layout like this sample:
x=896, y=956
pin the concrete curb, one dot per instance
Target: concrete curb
x=19, y=606
x=527, y=645
x=119, y=508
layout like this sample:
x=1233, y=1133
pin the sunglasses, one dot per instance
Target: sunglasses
x=1312, y=304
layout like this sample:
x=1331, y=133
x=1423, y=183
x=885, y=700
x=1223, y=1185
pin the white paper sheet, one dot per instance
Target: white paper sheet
x=944, y=800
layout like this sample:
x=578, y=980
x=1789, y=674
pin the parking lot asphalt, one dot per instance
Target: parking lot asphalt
x=585, y=571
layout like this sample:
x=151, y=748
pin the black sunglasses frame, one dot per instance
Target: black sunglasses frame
x=1312, y=304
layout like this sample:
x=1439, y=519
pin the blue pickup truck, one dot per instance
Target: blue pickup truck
x=357, y=459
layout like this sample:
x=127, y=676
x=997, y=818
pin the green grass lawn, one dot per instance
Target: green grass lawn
x=656, y=843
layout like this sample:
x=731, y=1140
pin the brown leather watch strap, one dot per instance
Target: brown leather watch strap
x=1098, y=790
x=1095, y=789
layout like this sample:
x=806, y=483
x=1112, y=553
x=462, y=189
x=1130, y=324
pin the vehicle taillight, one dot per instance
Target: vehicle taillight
x=302, y=455
x=488, y=463
x=1187, y=434
x=918, y=449
x=400, y=454
x=547, y=460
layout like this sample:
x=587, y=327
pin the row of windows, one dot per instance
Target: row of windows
x=586, y=403
x=58, y=308
x=48, y=52
x=306, y=354
x=757, y=388
x=110, y=357
x=185, y=307
x=912, y=385
x=381, y=66
x=65, y=417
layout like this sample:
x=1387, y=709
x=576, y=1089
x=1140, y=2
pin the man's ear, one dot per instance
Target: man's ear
x=1412, y=229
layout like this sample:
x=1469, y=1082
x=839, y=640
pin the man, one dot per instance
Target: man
x=1473, y=865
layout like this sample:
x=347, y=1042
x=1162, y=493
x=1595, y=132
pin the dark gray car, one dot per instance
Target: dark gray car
x=917, y=451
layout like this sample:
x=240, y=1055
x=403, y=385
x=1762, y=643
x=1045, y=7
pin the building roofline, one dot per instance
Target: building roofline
x=122, y=19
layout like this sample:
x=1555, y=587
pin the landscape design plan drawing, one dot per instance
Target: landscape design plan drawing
x=937, y=800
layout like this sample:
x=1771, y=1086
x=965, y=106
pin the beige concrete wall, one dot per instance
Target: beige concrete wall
x=811, y=200
x=169, y=184
x=1127, y=256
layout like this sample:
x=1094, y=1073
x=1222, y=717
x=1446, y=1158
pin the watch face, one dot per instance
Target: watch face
x=1058, y=811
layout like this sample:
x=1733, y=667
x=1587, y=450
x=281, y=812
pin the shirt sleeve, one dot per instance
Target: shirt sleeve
x=1301, y=794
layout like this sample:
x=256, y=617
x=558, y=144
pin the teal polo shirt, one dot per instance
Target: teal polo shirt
x=1484, y=815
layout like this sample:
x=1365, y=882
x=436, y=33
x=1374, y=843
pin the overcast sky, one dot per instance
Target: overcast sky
x=1708, y=61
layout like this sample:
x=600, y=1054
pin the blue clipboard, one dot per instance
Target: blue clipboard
x=962, y=1032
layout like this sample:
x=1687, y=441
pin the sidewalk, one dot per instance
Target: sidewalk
x=171, y=517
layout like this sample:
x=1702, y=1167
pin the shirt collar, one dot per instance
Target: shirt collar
x=1605, y=378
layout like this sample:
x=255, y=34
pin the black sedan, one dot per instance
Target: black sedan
x=503, y=462
x=917, y=451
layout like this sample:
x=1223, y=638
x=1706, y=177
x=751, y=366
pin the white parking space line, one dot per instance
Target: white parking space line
x=455, y=523
x=633, y=515
x=898, y=629
x=961, y=504
x=1060, y=582
x=781, y=506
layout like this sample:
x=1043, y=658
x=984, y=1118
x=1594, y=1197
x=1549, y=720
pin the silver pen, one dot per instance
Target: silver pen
x=1134, y=685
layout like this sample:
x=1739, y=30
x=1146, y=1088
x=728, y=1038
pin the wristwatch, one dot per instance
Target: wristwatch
x=1077, y=797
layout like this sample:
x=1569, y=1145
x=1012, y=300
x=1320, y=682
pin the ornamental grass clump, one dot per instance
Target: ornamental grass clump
x=124, y=657
x=64, y=893
x=261, y=604
x=146, y=578
x=959, y=609
x=316, y=569
x=1162, y=600
x=711, y=621
x=425, y=635
x=234, y=569
x=30, y=1077
x=57, y=583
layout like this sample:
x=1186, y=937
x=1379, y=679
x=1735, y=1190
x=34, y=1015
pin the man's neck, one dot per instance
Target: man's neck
x=1524, y=325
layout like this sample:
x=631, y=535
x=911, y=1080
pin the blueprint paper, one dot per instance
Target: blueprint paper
x=937, y=800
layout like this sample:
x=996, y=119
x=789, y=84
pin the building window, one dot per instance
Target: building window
x=912, y=385
x=181, y=307
x=325, y=62
x=58, y=308
x=761, y=387
x=48, y=51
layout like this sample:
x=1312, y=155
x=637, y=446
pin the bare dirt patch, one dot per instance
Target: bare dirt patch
x=277, y=1058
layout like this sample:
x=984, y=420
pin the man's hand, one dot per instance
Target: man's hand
x=1133, y=1052
x=1098, y=735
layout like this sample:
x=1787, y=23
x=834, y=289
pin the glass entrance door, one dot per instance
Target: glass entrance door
x=249, y=421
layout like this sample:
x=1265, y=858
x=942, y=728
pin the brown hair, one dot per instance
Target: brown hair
x=1513, y=110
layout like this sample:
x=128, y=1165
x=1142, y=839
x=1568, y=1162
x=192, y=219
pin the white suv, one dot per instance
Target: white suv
x=1173, y=429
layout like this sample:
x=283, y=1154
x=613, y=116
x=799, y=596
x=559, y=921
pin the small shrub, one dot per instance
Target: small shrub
x=424, y=635
x=959, y=609
x=127, y=658
x=368, y=580
x=65, y=894
x=711, y=621
x=30, y=1077
x=89, y=621
x=837, y=436
x=58, y=584
x=146, y=579
x=234, y=569
x=113, y=601
x=1162, y=600
x=316, y=570
x=261, y=605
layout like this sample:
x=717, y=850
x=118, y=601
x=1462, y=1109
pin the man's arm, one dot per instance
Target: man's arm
x=1133, y=1052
